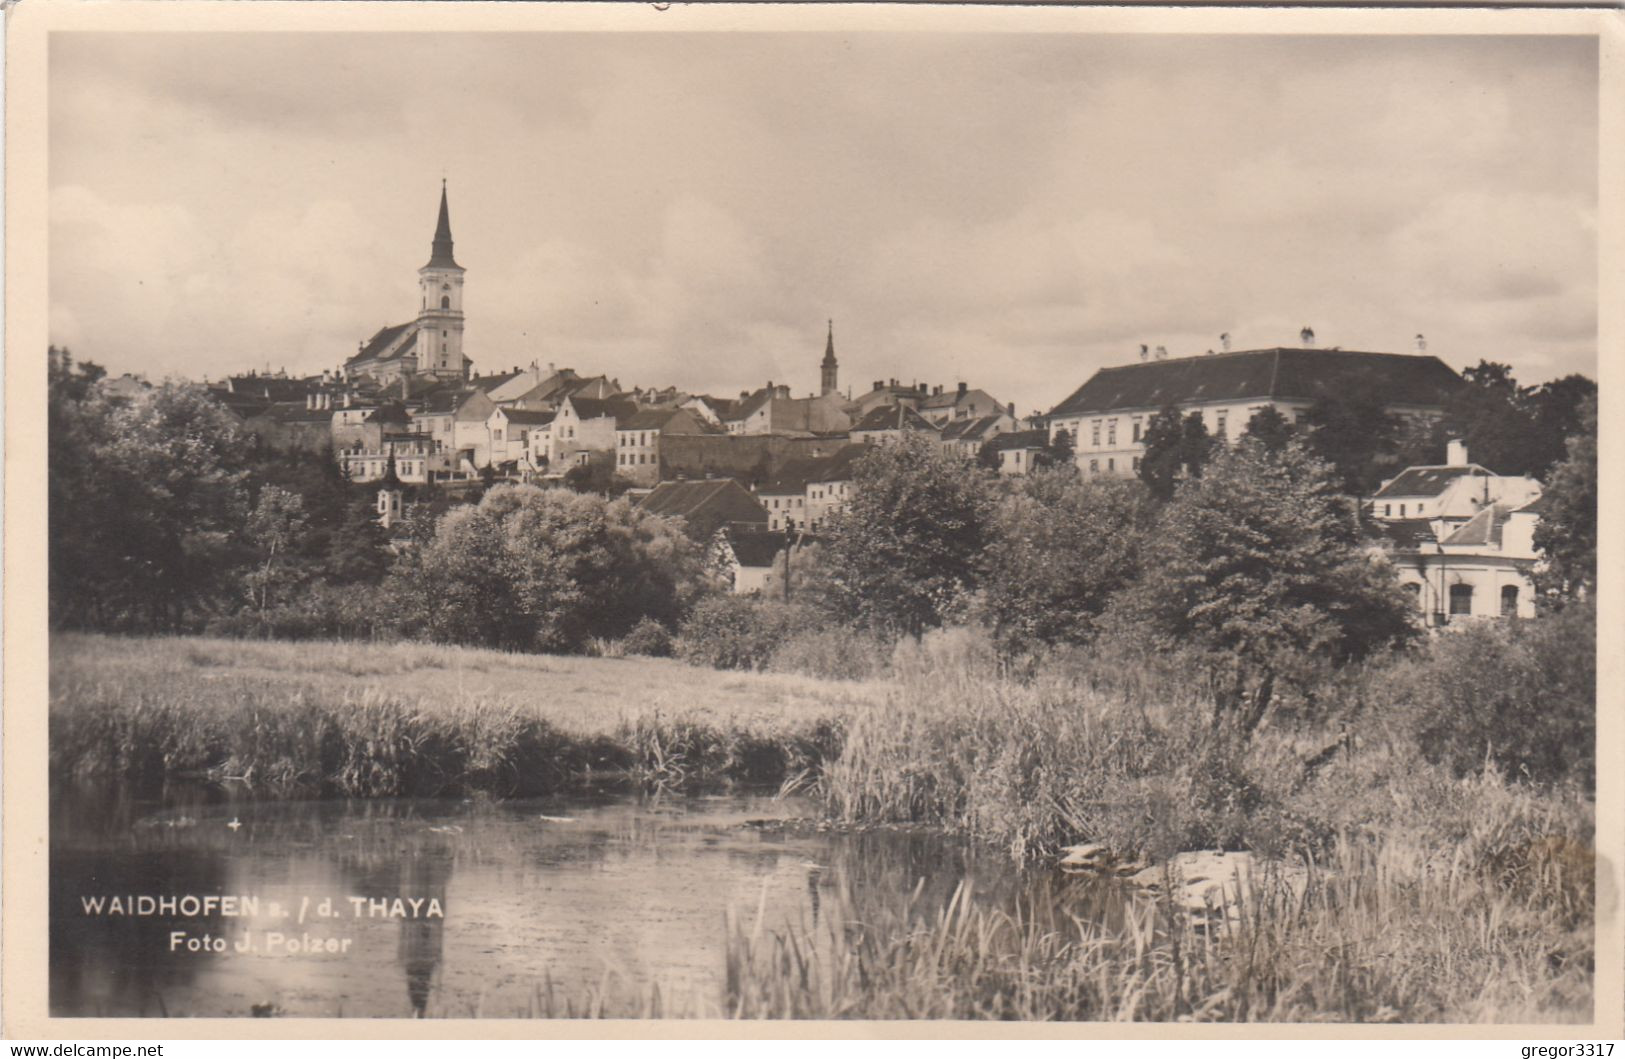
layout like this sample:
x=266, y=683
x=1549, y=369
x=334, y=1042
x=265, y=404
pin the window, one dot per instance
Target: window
x=1094, y=433
x=1094, y=466
x=1111, y=464
x=445, y=302
x=1461, y=599
x=1224, y=417
x=1387, y=509
x=1137, y=426
x=1136, y=463
x=1402, y=511
x=1111, y=432
x=1509, y=601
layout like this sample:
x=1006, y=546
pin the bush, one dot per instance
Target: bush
x=738, y=632
x=1520, y=694
x=648, y=637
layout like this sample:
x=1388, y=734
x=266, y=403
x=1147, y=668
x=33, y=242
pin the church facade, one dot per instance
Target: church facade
x=431, y=346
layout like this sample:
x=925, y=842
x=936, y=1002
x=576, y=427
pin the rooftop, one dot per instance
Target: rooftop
x=1279, y=373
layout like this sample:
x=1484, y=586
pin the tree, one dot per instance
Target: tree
x=273, y=530
x=1269, y=428
x=546, y=569
x=597, y=475
x=1061, y=449
x=1355, y=434
x=1062, y=547
x=1258, y=565
x=148, y=499
x=1175, y=446
x=906, y=548
x=1566, y=534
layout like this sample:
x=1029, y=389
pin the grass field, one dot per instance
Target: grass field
x=368, y=719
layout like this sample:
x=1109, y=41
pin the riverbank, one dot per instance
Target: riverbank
x=381, y=720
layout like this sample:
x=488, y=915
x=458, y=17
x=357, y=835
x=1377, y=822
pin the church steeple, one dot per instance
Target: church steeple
x=829, y=367
x=441, y=257
x=439, y=338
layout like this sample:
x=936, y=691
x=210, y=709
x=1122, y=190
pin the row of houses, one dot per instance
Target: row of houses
x=751, y=470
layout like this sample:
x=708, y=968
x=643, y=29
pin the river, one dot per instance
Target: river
x=200, y=901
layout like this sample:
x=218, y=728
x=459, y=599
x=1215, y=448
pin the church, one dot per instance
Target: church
x=431, y=346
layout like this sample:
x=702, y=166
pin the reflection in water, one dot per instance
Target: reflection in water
x=569, y=892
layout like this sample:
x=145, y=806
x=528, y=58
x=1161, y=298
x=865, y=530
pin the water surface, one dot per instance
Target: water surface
x=446, y=906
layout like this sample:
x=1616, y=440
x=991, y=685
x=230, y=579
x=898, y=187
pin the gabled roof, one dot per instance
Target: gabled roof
x=950, y=398
x=1406, y=534
x=706, y=505
x=648, y=419
x=1426, y=481
x=296, y=412
x=894, y=417
x=1260, y=374
x=392, y=412
x=838, y=466
x=491, y=382
x=439, y=402
x=746, y=407
x=1019, y=439
x=595, y=408
x=381, y=341
x=756, y=548
x=1483, y=529
x=969, y=429
x=527, y=417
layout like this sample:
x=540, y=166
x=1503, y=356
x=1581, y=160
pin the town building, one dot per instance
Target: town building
x=747, y=558
x=584, y=425
x=1107, y=416
x=965, y=437
x=637, y=440
x=1018, y=450
x=941, y=408
x=1461, y=538
x=706, y=507
x=889, y=423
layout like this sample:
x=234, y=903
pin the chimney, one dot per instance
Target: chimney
x=1307, y=335
x=1224, y=341
x=1421, y=343
x=1455, y=453
x=920, y=389
x=1145, y=351
x=962, y=388
x=1010, y=409
x=1162, y=352
x=879, y=385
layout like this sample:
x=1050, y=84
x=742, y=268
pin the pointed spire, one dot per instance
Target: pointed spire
x=829, y=345
x=441, y=257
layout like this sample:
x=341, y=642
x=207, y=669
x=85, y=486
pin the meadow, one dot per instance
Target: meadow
x=404, y=718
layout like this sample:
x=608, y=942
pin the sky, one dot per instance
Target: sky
x=1012, y=211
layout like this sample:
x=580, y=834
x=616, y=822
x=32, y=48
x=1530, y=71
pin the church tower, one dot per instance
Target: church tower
x=440, y=313
x=828, y=367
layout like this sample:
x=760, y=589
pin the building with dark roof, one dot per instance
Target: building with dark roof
x=890, y=423
x=432, y=344
x=706, y=507
x=1108, y=414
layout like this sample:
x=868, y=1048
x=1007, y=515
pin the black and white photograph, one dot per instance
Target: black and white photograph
x=908, y=520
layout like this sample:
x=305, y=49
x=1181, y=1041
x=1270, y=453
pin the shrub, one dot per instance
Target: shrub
x=1520, y=694
x=738, y=632
x=648, y=637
